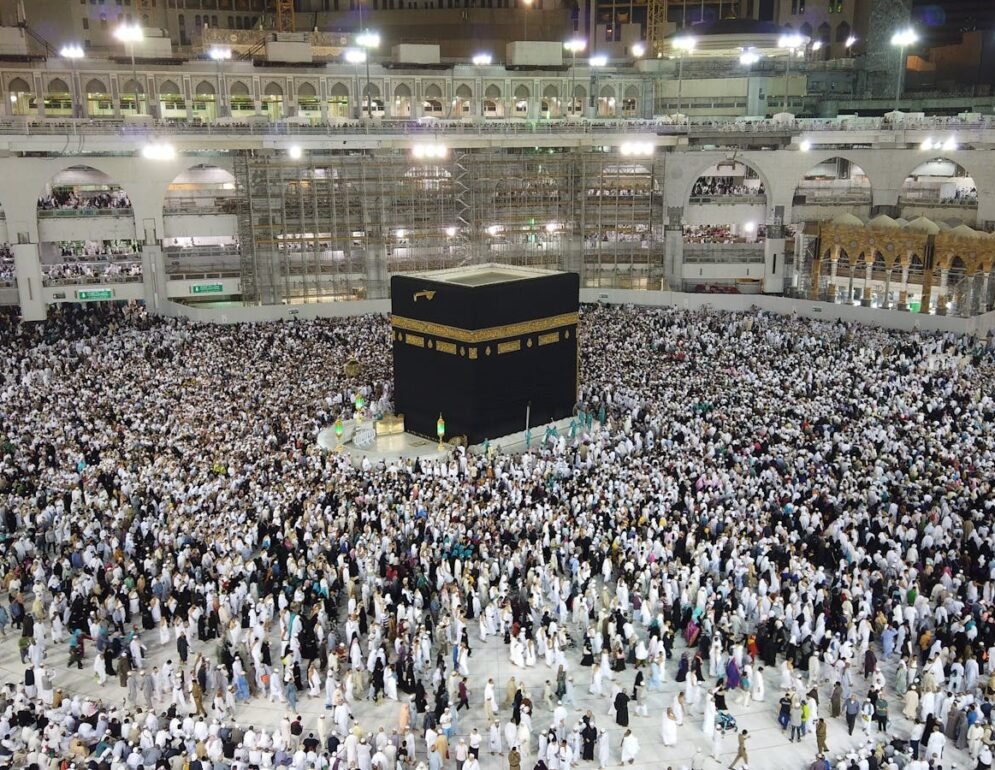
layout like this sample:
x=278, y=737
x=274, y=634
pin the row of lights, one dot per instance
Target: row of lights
x=132, y=33
x=401, y=233
x=434, y=151
x=947, y=145
x=637, y=149
x=158, y=151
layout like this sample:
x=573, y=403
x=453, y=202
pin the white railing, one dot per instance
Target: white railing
x=84, y=211
x=694, y=127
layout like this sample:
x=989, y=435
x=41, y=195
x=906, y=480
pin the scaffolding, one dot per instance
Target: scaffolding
x=336, y=225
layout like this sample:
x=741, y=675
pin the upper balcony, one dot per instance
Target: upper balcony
x=82, y=203
x=942, y=190
x=115, y=135
x=201, y=202
x=211, y=258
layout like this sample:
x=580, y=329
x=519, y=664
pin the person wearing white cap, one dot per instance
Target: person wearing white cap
x=460, y=753
x=604, y=750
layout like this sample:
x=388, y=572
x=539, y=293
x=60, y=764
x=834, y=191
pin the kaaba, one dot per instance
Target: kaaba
x=485, y=347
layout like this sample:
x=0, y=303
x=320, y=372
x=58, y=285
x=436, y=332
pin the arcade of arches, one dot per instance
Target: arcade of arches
x=952, y=265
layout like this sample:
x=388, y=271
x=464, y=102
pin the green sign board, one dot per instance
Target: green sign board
x=95, y=294
x=207, y=288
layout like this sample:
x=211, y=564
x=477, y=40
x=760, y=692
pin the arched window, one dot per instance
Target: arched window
x=842, y=32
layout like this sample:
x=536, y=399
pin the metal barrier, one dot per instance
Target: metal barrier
x=83, y=212
x=480, y=127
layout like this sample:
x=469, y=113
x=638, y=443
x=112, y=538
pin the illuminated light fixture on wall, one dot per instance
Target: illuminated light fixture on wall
x=429, y=151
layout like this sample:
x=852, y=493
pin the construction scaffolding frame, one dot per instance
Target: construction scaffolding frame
x=335, y=225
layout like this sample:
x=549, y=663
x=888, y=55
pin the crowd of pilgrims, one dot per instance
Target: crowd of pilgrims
x=7, y=271
x=744, y=502
x=65, y=198
x=110, y=268
x=718, y=234
x=726, y=185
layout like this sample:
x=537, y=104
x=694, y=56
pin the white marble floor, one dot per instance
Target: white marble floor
x=769, y=748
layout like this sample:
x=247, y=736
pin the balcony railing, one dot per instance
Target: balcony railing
x=739, y=253
x=84, y=211
x=730, y=200
x=832, y=195
x=504, y=126
x=90, y=280
x=201, y=205
x=933, y=198
x=202, y=261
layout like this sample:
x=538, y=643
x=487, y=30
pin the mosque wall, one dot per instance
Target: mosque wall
x=890, y=319
x=23, y=179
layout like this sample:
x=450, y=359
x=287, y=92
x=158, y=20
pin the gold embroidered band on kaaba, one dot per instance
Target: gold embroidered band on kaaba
x=485, y=335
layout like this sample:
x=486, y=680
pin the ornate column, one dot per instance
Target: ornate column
x=968, y=309
x=941, y=293
x=983, y=304
x=903, y=294
x=813, y=289
x=886, y=303
x=868, y=274
x=834, y=263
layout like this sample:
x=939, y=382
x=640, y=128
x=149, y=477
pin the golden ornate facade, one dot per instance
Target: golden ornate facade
x=892, y=250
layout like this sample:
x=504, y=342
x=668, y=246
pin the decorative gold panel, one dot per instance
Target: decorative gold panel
x=484, y=335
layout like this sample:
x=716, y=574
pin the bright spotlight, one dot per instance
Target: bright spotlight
x=129, y=33
x=220, y=54
x=950, y=145
x=368, y=40
x=482, y=59
x=159, y=151
x=749, y=57
x=643, y=149
x=429, y=151
x=451, y=232
x=552, y=227
x=71, y=52
x=494, y=229
x=927, y=144
x=599, y=60
x=791, y=42
x=638, y=50
x=355, y=56
x=685, y=43
x=295, y=152
x=805, y=145
x=904, y=38
x=750, y=227
x=401, y=232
